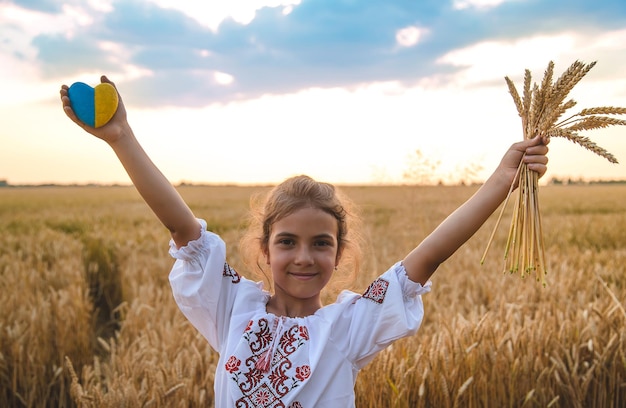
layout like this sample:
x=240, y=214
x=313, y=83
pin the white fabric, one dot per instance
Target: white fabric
x=311, y=361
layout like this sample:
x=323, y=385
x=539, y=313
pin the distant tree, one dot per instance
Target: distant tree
x=556, y=181
x=467, y=173
x=420, y=169
x=423, y=170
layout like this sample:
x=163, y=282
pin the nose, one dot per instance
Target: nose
x=303, y=256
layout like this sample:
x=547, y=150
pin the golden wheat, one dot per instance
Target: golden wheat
x=540, y=109
x=511, y=340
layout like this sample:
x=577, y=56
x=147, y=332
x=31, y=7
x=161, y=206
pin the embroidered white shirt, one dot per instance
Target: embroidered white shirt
x=276, y=361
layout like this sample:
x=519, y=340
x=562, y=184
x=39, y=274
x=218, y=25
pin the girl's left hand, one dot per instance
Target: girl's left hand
x=532, y=151
x=535, y=157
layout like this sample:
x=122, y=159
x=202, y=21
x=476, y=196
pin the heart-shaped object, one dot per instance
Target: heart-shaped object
x=93, y=106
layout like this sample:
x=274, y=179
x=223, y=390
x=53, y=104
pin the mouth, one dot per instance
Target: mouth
x=303, y=276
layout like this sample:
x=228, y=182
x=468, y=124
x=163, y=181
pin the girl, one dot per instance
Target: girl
x=286, y=349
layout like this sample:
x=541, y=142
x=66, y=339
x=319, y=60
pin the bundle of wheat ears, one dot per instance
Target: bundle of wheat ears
x=541, y=108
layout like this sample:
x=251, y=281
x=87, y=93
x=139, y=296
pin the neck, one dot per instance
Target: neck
x=280, y=306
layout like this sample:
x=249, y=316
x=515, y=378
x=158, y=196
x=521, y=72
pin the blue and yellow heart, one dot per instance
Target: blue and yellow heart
x=93, y=106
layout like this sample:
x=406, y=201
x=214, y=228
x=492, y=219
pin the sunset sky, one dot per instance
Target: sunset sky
x=343, y=90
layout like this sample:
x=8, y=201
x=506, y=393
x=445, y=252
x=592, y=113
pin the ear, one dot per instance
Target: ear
x=266, y=254
x=338, y=257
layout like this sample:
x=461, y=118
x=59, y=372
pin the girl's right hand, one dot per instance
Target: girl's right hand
x=113, y=130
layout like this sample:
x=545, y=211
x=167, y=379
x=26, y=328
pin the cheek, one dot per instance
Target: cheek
x=276, y=257
x=328, y=260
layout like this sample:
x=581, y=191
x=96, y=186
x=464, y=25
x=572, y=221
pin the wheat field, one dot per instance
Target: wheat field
x=88, y=318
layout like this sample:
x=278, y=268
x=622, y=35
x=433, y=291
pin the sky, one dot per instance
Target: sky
x=346, y=91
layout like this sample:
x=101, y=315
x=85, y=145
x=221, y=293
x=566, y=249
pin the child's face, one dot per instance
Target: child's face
x=302, y=253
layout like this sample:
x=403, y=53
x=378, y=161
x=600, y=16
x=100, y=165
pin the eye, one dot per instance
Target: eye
x=323, y=243
x=286, y=241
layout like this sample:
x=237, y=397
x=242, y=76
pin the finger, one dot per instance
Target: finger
x=539, y=159
x=69, y=112
x=63, y=94
x=535, y=141
x=106, y=80
x=540, y=149
x=537, y=163
x=538, y=167
x=65, y=100
x=525, y=144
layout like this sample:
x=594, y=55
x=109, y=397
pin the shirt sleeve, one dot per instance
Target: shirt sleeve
x=204, y=285
x=389, y=309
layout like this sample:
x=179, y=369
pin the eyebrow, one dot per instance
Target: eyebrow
x=292, y=235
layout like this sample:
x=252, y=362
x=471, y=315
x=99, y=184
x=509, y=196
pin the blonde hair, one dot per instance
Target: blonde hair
x=289, y=196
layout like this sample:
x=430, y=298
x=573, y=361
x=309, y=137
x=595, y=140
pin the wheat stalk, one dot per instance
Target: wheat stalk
x=540, y=108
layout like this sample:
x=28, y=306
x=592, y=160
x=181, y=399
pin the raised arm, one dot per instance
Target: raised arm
x=151, y=184
x=455, y=230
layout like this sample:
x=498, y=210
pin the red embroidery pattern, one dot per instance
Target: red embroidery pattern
x=229, y=272
x=304, y=332
x=233, y=364
x=377, y=290
x=303, y=372
x=249, y=326
x=262, y=389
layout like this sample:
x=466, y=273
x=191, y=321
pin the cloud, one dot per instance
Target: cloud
x=167, y=53
x=211, y=14
x=410, y=36
x=479, y=4
x=47, y=6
